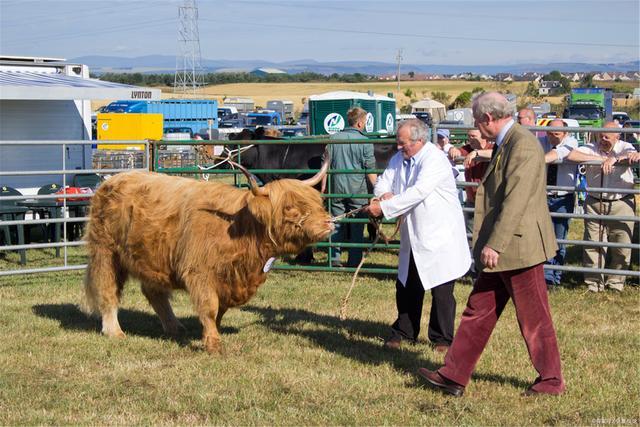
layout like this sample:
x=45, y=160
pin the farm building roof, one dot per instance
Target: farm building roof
x=22, y=84
x=268, y=71
x=344, y=94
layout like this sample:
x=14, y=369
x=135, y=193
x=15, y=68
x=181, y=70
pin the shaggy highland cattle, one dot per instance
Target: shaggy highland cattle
x=213, y=240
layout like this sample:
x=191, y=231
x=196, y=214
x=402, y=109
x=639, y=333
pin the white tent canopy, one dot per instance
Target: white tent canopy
x=436, y=109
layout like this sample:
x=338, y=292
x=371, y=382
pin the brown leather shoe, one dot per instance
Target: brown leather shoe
x=441, y=383
x=393, y=343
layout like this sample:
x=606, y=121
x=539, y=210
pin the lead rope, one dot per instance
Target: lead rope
x=379, y=234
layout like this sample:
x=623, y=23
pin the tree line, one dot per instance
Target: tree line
x=238, y=77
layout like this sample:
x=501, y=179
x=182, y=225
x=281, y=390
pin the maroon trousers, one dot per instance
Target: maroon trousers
x=490, y=294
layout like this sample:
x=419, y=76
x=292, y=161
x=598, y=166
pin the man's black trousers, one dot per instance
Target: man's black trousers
x=409, y=301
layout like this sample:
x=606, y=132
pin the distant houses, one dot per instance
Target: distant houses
x=546, y=87
x=549, y=88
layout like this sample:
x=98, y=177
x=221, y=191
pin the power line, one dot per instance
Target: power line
x=48, y=17
x=456, y=15
x=119, y=28
x=423, y=36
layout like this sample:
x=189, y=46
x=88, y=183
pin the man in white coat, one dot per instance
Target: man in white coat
x=419, y=188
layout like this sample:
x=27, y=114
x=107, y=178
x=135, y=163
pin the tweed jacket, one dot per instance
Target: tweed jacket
x=511, y=213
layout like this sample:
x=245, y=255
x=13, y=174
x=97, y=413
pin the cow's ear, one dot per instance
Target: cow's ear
x=260, y=208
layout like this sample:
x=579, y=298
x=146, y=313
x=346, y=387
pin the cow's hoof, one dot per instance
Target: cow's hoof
x=175, y=331
x=213, y=345
x=114, y=334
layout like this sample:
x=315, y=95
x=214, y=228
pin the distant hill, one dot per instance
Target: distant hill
x=166, y=64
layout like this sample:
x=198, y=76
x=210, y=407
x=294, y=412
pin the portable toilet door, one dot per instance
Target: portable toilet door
x=328, y=116
x=387, y=114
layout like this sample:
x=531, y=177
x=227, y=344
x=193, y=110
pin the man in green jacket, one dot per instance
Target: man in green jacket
x=356, y=156
x=512, y=237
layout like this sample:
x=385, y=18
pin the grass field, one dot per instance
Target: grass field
x=289, y=360
x=299, y=92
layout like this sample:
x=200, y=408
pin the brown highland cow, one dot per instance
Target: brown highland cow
x=212, y=240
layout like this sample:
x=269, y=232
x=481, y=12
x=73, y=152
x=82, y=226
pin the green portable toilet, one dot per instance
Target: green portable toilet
x=328, y=112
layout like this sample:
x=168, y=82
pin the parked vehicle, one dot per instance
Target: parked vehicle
x=243, y=105
x=235, y=120
x=590, y=106
x=620, y=116
x=264, y=118
x=540, y=109
x=225, y=111
x=185, y=132
x=281, y=106
x=424, y=117
x=303, y=120
x=192, y=113
x=127, y=127
x=290, y=131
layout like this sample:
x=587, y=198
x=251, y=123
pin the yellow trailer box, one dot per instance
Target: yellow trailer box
x=128, y=127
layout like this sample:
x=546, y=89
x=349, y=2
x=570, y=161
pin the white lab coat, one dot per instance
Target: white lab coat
x=433, y=227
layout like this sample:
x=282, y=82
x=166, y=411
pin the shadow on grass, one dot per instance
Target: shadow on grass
x=133, y=322
x=352, y=338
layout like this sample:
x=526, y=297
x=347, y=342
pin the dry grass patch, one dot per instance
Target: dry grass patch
x=289, y=360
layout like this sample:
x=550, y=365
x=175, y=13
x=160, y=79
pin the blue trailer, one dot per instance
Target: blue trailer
x=177, y=113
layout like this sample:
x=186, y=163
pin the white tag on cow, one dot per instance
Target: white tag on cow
x=268, y=264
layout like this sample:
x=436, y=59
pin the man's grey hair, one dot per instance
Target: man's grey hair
x=417, y=129
x=494, y=104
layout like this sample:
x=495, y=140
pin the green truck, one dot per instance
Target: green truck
x=591, y=107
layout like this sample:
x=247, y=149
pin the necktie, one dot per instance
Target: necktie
x=494, y=151
x=407, y=172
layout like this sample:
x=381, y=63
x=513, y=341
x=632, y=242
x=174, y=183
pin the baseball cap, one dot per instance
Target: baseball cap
x=443, y=133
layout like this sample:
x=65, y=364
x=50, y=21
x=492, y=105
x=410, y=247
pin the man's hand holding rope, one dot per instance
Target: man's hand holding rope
x=374, y=208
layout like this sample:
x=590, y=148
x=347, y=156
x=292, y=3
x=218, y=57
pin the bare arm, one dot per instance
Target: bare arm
x=580, y=156
x=551, y=156
x=372, y=177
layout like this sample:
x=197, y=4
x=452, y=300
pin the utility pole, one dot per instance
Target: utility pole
x=188, y=76
x=399, y=59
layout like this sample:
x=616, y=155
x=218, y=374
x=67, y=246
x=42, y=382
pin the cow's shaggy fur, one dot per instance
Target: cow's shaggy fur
x=209, y=239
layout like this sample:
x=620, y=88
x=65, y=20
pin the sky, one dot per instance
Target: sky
x=428, y=32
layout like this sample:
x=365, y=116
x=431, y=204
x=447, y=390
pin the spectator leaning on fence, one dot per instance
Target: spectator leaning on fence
x=358, y=155
x=512, y=237
x=557, y=146
x=474, y=169
x=418, y=188
x=442, y=140
x=526, y=117
x=611, y=202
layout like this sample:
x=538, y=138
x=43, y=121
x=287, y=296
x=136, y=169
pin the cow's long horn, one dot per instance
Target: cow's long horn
x=256, y=190
x=314, y=180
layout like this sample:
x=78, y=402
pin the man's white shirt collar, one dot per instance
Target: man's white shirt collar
x=503, y=132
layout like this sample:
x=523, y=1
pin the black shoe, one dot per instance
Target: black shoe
x=441, y=383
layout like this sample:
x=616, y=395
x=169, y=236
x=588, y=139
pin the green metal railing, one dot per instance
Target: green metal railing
x=193, y=166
